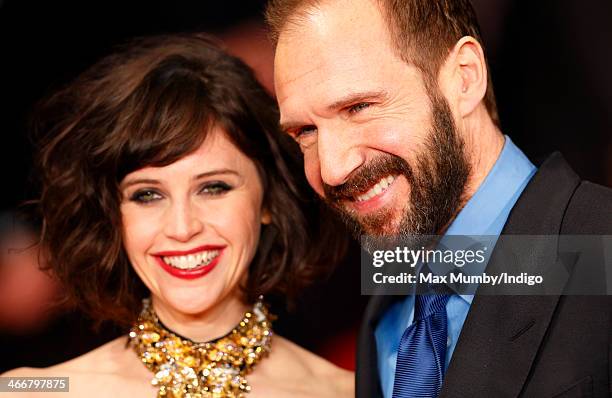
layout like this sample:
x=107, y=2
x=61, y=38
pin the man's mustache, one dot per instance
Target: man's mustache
x=366, y=176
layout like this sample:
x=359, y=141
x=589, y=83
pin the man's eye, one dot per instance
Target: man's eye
x=358, y=107
x=145, y=196
x=215, y=188
x=304, y=131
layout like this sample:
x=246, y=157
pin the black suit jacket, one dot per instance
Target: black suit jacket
x=526, y=346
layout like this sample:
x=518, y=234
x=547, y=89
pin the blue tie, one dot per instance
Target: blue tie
x=422, y=350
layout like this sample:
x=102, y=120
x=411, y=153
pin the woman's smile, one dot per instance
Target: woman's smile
x=190, y=264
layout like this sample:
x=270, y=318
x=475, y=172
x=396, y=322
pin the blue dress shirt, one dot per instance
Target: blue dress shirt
x=484, y=214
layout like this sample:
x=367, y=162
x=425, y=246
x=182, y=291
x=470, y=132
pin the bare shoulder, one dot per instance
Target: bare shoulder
x=295, y=371
x=96, y=372
x=313, y=364
x=106, y=359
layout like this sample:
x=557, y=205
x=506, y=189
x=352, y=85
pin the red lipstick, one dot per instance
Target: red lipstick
x=193, y=273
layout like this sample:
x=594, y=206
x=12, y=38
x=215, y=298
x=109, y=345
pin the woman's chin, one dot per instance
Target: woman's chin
x=187, y=304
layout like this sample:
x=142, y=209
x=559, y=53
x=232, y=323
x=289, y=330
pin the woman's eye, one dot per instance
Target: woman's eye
x=215, y=188
x=146, y=196
x=358, y=107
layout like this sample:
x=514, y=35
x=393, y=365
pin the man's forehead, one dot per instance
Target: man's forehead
x=287, y=72
x=330, y=45
x=319, y=77
x=318, y=89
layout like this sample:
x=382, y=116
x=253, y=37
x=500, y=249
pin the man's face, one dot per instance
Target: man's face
x=379, y=145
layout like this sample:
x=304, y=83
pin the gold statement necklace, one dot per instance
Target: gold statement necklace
x=183, y=368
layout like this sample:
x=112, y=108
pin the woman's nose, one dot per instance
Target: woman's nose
x=183, y=222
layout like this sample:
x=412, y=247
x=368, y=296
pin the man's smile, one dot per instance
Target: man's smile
x=381, y=196
x=380, y=187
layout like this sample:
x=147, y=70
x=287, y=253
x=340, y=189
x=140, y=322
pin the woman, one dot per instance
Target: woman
x=171, y=204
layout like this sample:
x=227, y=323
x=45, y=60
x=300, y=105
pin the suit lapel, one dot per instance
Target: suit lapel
x=501, y=335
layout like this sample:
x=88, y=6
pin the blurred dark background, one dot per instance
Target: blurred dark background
x=551, y=65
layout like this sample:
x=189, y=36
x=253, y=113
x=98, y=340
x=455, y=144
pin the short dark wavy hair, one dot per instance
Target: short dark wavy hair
x=150, y=104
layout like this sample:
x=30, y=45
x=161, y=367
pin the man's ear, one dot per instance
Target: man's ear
x=266, y=217
x=464, y=75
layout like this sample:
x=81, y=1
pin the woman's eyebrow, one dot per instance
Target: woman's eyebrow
x=136, y=181
x=215, y=172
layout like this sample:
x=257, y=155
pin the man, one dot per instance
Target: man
x=392, y=106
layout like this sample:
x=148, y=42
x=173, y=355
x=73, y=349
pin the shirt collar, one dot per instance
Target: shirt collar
x=488, y=209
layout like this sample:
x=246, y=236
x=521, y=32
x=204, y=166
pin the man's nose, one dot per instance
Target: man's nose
x=338, y=157
x=183, y=222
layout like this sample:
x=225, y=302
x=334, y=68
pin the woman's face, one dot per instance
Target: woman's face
x=191, y=228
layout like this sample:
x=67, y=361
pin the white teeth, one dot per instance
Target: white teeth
x=377, y=189
x=192, y=260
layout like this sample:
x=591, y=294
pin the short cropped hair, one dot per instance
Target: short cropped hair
x=422, y=31
x=150, y=104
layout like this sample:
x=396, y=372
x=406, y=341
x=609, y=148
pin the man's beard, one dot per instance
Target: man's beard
x=437, y=181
